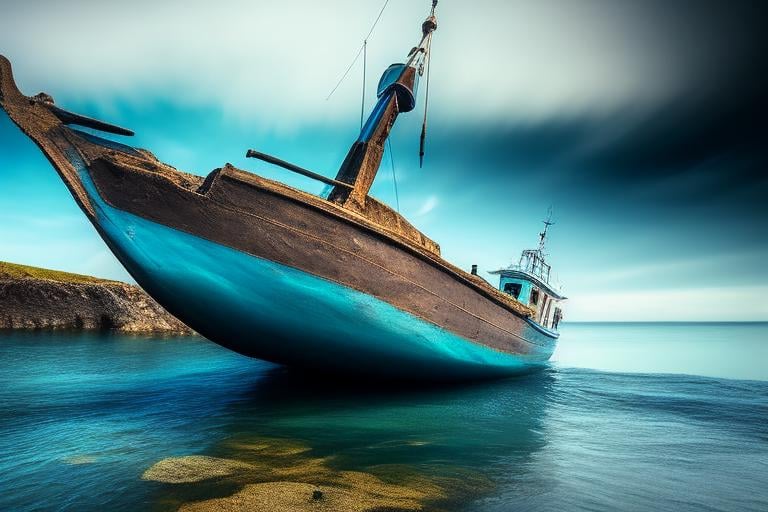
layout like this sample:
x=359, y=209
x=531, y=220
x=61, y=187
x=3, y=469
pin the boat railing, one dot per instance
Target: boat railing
x=532, y=262
x=542, y=274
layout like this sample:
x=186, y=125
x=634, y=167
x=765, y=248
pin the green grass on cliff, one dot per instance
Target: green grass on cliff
x=16, y=271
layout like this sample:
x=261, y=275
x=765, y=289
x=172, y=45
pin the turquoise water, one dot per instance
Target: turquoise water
x=674, y=417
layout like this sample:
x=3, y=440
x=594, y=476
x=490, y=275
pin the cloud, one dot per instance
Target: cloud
x=745, y=303
x=640, y=121
x=699, y=270
x=427, y=206
x=690, y=150
x=274, y=63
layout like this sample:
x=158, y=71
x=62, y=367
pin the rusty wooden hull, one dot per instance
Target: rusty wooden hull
x=274, y=273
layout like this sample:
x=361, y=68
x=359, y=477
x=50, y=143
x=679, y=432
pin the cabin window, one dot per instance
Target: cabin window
x=534, y=297
x=513, y=289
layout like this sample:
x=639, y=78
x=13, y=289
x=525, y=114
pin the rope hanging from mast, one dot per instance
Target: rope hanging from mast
x=428, y=27
x=365, y=65
x=394, y=176
x=422, y=139
x=360, y=51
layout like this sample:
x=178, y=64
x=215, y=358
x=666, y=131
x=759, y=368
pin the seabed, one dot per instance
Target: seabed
x=282, y=474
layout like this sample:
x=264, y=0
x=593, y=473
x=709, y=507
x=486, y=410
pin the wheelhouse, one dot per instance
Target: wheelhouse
x=528, y=281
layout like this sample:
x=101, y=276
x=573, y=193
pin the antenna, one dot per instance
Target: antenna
x=543, y=234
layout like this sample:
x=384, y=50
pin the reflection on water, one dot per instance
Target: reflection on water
x=433, y=444
x=90, y=422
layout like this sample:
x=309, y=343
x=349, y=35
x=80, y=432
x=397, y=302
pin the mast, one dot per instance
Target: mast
x=397, y=94
x=539, y=266
x=533, y=260
x=543, y=234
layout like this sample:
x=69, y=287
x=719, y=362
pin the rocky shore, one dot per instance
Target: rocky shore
x=36, y=298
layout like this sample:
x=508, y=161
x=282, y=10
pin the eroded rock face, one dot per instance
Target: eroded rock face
x=28, y=302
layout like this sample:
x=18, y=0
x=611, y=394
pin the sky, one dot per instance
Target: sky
x=642, y=124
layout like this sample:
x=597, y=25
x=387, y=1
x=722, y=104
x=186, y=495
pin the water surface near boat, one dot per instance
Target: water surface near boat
x=83, y=416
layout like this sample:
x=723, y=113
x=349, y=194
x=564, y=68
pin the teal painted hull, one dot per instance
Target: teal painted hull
x=281, y=314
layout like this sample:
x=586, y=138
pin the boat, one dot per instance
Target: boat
x=337, y=283
x=530, y=282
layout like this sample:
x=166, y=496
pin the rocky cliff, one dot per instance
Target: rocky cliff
x=35, y=298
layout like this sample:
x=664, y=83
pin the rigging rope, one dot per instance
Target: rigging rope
x=394, y=177
x=362, y=47
x=426, y=102
x=362, y=100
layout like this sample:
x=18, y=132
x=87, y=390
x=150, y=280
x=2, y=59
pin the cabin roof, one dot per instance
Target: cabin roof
x=521, y=274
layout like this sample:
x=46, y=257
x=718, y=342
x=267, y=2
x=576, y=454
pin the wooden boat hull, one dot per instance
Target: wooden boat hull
x=274, y=273
x=259, y=307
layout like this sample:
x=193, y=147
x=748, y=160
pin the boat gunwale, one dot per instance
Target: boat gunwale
x=319, y=204
x=155, y=175
x=544, y=330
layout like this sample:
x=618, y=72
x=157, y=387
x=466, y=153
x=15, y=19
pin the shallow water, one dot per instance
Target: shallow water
x=669, y=421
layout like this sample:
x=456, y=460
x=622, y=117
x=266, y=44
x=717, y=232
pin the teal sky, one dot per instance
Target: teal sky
x=637, y=123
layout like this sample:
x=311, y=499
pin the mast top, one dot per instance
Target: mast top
x=430, y=24
x=543, y=235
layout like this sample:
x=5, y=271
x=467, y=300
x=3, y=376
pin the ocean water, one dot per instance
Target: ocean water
x=628, y=417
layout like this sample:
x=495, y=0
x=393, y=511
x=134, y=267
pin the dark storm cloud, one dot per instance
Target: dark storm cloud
x=708, y=141
x=627, y=147
x=719, y=119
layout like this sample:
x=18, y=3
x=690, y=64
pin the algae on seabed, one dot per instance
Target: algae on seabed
x=279, y=474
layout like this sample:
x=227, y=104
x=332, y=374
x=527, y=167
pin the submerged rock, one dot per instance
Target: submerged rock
x=77, y=460
x=269, y=447
x=300, y=497
x=305, y=470
x=36, y=298
x=277, y=474
x=412, y=491
x=193, y=468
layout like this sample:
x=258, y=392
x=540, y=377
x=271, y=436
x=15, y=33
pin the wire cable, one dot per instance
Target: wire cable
x=362, y=99
x=422, y=139
x=394, y=177
x=362, y=47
